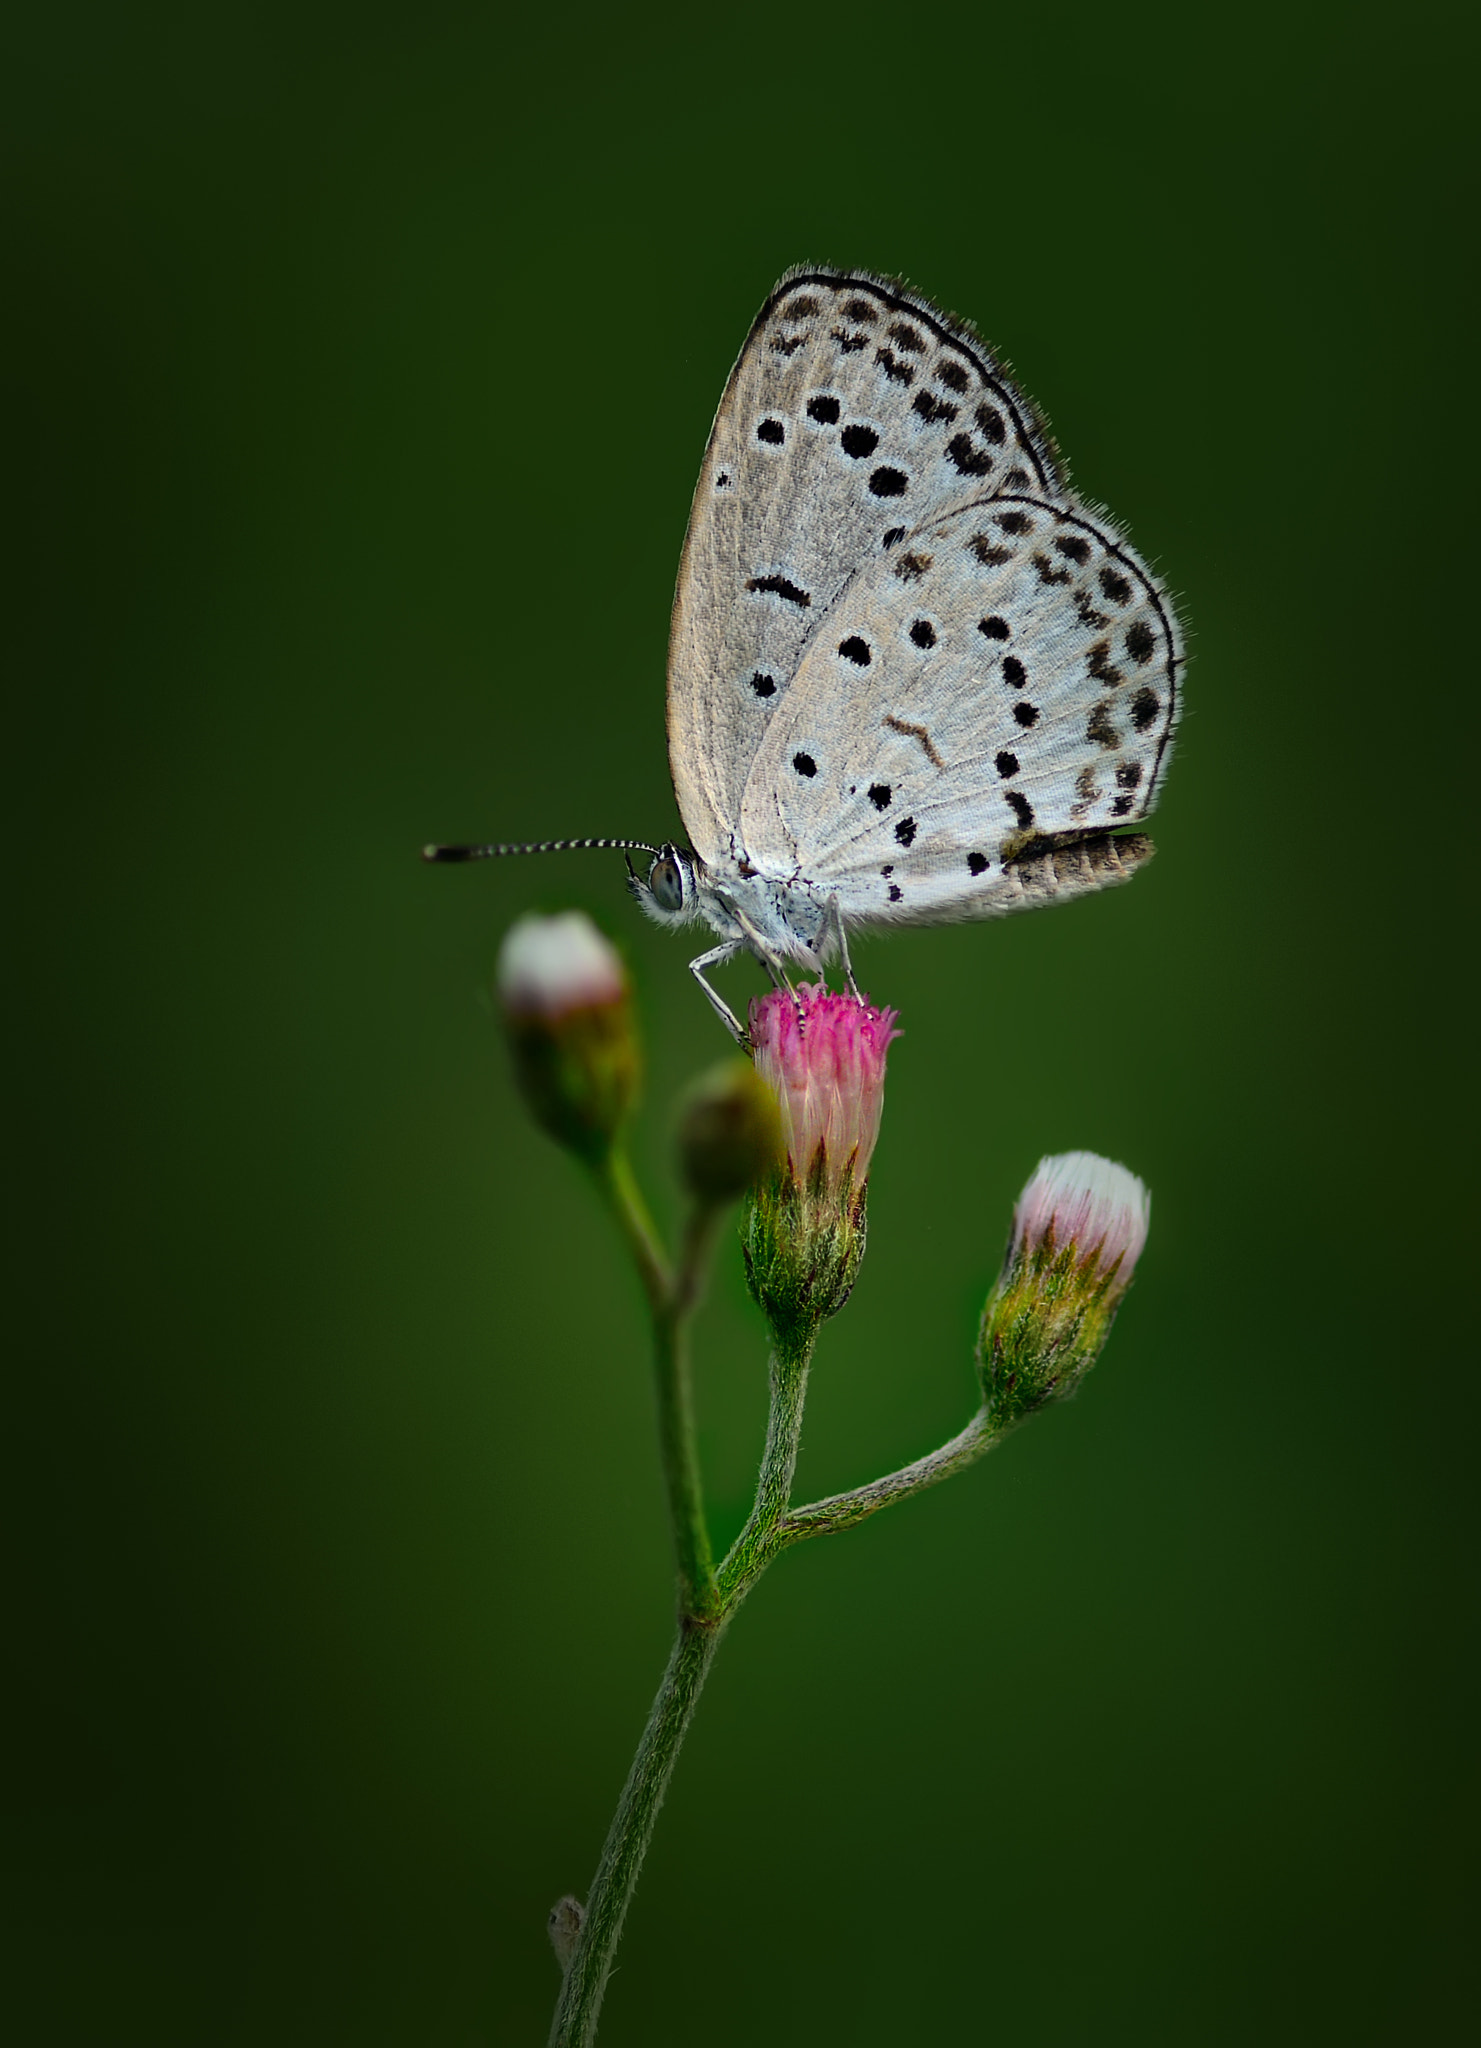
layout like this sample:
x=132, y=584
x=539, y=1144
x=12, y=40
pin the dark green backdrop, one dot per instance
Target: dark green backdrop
x=366, y=367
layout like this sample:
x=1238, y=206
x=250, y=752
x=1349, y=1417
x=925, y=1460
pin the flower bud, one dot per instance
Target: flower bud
x=824, y=1055
x=1078, y=1231
x=730, y=1132
x=568, y=1012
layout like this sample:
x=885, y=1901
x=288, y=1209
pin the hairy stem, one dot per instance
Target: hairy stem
x=758, y=1543
x=843, y=1510
x=575, y=2021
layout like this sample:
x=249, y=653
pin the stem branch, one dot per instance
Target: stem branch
x=843, y=1510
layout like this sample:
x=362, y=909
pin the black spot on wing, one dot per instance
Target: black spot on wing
x=779, y=586
x=1098, y=727
x=932, y=410
x=1141, y=643
x=969, y=460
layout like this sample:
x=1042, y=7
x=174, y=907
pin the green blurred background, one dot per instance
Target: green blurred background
x=366, y=362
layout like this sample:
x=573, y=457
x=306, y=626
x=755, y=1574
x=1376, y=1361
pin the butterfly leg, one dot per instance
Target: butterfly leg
x=716, y=957
x=835, y=920
x=770, y=959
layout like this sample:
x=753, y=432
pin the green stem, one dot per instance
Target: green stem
x=619, y=1185
x=843, y=1510
x=671, y=1302
x=677, y=1436
x=758, y=1543
x=575, y=2021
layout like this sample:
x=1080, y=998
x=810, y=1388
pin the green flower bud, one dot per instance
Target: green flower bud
x=730, y=1133
x=804, y=1234
x=1078, y=1231
x=568, y=1012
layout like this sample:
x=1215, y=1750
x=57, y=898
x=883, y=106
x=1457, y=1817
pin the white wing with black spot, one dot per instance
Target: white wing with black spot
x=1007, y=672
x=856, y=413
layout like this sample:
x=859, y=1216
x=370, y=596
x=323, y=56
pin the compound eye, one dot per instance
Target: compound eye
x=667, y=884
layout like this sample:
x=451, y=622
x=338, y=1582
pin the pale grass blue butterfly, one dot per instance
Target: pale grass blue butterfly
x=912, y=677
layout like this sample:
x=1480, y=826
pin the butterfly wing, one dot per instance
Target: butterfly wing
x=1007, y=673
x=857, y=411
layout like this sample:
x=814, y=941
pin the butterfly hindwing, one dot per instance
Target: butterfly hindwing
x=1004, y=674
x=856, y=413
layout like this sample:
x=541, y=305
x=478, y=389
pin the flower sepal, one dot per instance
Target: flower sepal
x=803, y=1244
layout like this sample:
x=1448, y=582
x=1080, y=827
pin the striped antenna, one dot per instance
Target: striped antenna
x=451, y=853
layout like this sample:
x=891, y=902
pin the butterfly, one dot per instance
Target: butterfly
x=912, y=678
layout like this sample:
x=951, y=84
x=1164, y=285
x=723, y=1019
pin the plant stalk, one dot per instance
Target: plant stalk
x=580, y=2002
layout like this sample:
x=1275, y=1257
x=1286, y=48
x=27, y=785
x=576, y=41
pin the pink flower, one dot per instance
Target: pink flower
x=825, y=1056
x=805, y=1228
x=1079, y=1199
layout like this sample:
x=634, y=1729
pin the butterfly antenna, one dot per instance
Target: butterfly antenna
x=452, y=853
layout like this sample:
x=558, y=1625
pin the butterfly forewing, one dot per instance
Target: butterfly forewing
x=1006, y=672
x=856, y=414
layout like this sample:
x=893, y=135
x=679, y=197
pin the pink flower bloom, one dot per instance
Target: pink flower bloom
x=1080, y=1199
x=825, y=1056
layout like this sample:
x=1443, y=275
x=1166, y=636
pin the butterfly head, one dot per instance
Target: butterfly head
x=670, y=894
